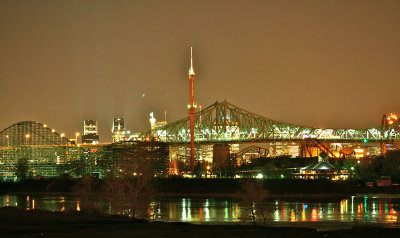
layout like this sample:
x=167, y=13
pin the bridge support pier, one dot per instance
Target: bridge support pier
x=221, y=153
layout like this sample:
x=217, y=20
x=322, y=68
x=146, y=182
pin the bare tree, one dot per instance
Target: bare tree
x=86, y=190
x=131, y=189
x=130, y=195
x=251, y=196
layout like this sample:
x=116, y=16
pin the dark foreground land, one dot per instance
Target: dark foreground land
x=35, y=223
x=206, y=187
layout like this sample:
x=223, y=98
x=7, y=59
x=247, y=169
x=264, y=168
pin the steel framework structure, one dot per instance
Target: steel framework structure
x=47, y=153
x=225, y=122
x=30, y=133
x=43, y=150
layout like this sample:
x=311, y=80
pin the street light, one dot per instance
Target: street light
x=27, y=138
x=77, y=144
x=8, y=140
x=76, y=137
x=387, y=121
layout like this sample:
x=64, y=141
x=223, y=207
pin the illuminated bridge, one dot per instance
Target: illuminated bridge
x=224, y=122
x=33, y=149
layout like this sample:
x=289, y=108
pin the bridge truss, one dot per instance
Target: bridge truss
x=225, y=122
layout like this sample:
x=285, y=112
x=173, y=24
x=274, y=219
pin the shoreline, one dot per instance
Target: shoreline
x=221, y=195
x=16, y=223
x=204, y=188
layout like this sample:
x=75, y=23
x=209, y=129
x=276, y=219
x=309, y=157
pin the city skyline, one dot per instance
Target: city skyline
x=312, y=63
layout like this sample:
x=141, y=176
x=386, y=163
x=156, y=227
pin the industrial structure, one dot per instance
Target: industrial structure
x=34, y=144
x=154, y=123
x=31, y=149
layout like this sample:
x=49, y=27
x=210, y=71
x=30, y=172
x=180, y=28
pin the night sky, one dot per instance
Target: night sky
x=316, y=63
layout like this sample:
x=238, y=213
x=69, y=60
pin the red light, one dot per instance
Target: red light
x=392, y=117
x=314, y=215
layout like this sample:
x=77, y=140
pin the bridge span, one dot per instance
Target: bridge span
x=223, y=122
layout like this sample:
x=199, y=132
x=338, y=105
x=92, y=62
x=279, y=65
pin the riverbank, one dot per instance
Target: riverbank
x=35, y=223
x=227, y=188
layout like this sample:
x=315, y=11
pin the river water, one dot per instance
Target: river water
x=361, y=209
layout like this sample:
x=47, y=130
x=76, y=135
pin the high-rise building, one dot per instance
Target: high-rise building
x=118, y=130
x=90, y=132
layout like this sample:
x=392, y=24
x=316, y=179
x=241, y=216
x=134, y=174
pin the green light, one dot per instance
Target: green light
x=365, y=140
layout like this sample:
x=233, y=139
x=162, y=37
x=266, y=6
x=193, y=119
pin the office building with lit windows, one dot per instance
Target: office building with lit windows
x=118, y=130
x=90, y=132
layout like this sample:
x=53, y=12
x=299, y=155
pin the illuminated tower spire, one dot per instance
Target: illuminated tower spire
x=191, y=71
x=192, y=108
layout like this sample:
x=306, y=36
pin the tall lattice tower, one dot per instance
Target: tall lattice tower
x=192, y=109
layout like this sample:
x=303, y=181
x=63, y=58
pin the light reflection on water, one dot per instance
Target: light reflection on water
x=359, y=209
x=201, y=210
